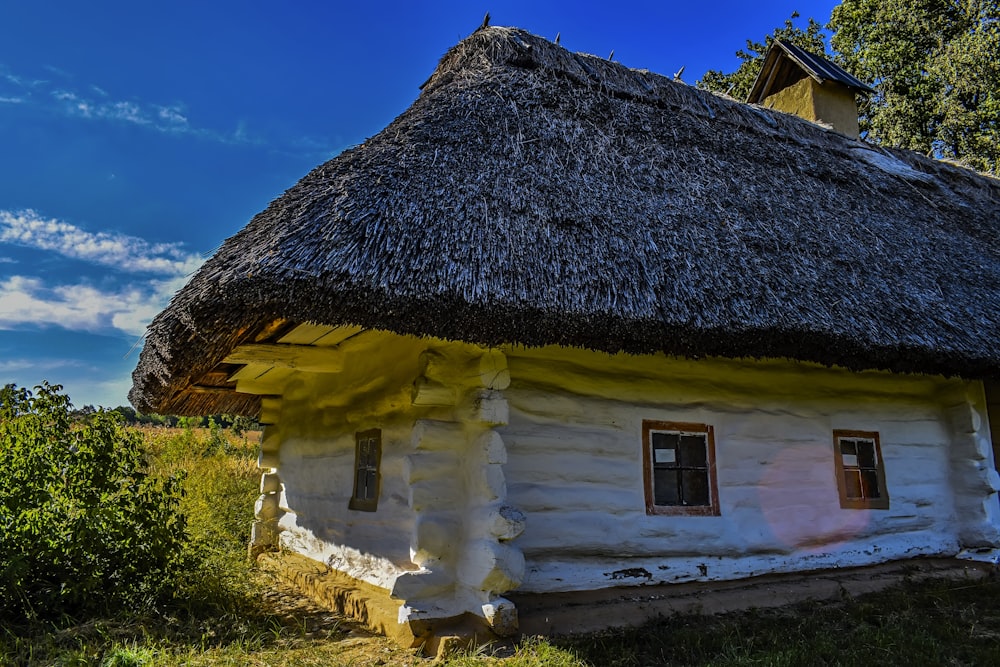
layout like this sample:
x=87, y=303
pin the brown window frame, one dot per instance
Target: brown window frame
x=361, y=499
x=648, y=428
x=860, y=503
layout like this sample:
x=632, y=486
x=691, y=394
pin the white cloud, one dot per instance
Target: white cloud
x=115, y=250
x=93, y=103
x=129, y=112
x=164, y=118
x=126, y=111
x=171, y=115
x=11, y=366
x=26, y=301
x=20, y=81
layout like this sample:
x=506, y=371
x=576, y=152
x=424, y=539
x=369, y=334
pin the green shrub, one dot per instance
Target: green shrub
x=86, y=529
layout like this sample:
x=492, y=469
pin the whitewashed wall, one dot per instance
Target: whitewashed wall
x=319, y=416
x=574, y=443
x=439, y=540
x=523, y=469
x=317, y=479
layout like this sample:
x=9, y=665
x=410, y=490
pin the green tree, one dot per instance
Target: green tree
x=84, y=527
x=738, y=83
x=935, y=65
x=128, y=414
x=242, y=424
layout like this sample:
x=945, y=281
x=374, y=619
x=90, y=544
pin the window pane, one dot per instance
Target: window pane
x=695, y=485
x=869, y=482
x=665, y=449
x=369, y=484
x=665, y=440
x=852, y=483
x=866, y=453
x=692, y=450
x=360, y=484
x=665, y=487
x=848, y=447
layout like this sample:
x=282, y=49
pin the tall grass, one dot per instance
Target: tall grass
x=221, y=482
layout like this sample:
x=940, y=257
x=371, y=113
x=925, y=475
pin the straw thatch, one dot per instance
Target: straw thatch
x=536, y=196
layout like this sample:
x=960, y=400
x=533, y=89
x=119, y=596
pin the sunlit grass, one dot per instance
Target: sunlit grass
x=219, y=615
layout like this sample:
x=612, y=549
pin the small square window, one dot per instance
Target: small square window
x=678, y=462
x=860, y=470
x=367, y=458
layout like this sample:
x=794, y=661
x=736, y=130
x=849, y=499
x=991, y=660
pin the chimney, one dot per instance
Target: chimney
x=811, y=87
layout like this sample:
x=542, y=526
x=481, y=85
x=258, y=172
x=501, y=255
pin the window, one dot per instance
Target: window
x=860, y=473
x=678, y=461
x=367, y=457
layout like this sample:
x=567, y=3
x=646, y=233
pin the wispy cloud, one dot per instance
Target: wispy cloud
x=18, y=81
x=26, y=301
x=171, y=115
x=9, y=366
x=119, y=251
x=91, y=102
x=170, y=119
x=129, y=112
x=57, y=71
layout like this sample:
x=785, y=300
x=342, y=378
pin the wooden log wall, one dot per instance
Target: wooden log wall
x=574, y=443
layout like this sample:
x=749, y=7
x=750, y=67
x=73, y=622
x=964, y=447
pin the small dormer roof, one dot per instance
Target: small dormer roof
x=786, y=63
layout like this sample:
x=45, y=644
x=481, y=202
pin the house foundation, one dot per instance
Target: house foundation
x=589, y=611
x=374, y=608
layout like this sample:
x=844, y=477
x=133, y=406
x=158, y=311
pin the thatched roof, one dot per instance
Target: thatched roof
x=535, y=196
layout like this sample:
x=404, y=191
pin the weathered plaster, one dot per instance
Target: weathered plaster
x=973, y=471
x=440, y=538
x=522, y=469
x=459, y=490
x=574, y=467
x=829, y=103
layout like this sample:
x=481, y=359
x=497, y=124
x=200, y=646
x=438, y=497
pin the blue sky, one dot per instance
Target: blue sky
x=135, y=137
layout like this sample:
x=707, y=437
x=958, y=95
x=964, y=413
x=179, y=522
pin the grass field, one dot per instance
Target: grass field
x=226, y=613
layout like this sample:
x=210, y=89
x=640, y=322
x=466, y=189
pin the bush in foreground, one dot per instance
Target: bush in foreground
x=86, y=530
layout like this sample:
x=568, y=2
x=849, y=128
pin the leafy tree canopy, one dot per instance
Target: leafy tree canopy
x=934, y=64
x=738, y=83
